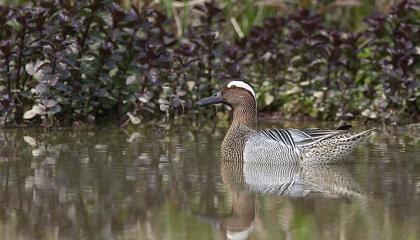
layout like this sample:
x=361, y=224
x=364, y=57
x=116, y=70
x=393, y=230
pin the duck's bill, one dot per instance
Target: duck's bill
x=216, y=98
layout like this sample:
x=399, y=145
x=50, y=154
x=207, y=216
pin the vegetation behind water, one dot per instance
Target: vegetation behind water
x=81, y=62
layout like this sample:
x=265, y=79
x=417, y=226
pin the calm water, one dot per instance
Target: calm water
x=148, y=183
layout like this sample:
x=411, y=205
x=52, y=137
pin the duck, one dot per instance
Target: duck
x=278, y=146
x=243, y=181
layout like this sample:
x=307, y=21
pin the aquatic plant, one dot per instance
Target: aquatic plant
x=91, y=61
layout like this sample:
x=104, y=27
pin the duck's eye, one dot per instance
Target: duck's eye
x=233, y=87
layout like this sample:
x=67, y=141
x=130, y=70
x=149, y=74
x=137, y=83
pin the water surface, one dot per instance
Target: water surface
x=150, y=183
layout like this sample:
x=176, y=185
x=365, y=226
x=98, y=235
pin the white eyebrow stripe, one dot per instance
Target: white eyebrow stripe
x=243, y=85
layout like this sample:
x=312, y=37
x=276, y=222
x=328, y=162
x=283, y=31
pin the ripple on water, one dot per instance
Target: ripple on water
x=143, y=184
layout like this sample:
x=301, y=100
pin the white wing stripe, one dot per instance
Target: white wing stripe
x=282, y=136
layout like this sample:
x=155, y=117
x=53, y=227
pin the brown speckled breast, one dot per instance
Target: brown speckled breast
x=234, y=142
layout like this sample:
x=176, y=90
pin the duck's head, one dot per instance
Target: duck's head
x=233, y=93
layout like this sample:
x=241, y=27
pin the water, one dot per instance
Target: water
x=149, y=183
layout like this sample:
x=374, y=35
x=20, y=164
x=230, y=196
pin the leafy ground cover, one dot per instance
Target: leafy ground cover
x=70, y=62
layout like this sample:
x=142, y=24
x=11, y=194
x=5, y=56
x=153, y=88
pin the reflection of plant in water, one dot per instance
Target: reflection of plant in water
x=111, y=184
x=46, y=194
x=66, y=180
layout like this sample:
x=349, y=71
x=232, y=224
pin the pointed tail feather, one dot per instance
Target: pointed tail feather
x=362, y=135
x=333, y=148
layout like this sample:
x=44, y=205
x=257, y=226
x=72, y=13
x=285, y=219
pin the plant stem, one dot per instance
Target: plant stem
x=82, y=43
x=19, y=60
x=98, y=71
x=9, y=81
x=85, y=34
x=327, y=81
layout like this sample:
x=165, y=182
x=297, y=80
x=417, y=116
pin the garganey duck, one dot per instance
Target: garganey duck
x=278, y=146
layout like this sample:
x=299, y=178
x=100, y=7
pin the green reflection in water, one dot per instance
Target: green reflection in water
x=151, y=184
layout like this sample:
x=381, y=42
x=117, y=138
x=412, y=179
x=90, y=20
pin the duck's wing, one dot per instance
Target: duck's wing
x=282, y=136
x=271, y=145
x=317, y=132
x=296, y=137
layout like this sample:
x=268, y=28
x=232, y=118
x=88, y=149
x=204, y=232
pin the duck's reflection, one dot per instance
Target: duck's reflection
x=243, y=181
x=240, y=222
x=301, y=181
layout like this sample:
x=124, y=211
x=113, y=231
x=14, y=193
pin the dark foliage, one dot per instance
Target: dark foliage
x=65, y=62
x=332, y=74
